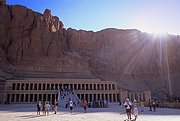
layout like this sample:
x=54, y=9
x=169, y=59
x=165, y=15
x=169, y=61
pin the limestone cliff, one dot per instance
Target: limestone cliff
x=136, y=61
x=34, y=41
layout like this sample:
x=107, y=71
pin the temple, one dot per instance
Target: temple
x=31, y=90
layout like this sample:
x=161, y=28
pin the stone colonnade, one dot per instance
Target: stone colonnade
x=29, y=91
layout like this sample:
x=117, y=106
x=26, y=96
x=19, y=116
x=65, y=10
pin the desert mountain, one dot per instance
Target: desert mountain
x=38, y=43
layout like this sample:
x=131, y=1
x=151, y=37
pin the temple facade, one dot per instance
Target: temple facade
x=31, y=90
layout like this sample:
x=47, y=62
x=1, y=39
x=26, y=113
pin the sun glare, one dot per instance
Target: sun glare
x=159, y=34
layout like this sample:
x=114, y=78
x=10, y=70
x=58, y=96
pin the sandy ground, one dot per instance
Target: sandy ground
x=27, y=112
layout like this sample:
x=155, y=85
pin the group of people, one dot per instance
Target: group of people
x=134, y=107
x=98, y=104
x=71, y=106
x=131, y=106
x=152, y=104
x=45, y=108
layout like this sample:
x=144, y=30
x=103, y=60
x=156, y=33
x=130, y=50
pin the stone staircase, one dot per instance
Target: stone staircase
x=64, y=97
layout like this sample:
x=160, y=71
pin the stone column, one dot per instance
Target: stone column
x=84, y=86
x=107, y=86
x=73, y=86
x=116, y=97
x=14, y=98
x=111, y=86
x=19, y=86
x=80, y=86
x=100, y=96
x=92, y=87
x=51, y=98
x=24, y=97
x=28, y=97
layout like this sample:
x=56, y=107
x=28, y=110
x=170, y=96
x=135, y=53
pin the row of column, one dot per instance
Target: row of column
x=48, y=86
x=31, y=97
x=114, y=97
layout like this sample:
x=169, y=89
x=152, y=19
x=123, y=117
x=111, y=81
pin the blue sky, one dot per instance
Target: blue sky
x=144, y=15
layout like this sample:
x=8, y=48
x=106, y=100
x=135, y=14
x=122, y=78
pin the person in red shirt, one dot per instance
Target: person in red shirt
x=84, y=105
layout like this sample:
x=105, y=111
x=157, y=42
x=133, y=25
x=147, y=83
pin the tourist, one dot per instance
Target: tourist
x=71, y=106
x=55, y=106
x=135, y=109
x=47, y=107
x=38, y=108
x=128, y=107
x=66, y=106
x=142, y=105
x=119, y=103
x=154, y=105
x=150, y=105
x=43, y=107
x=85, y=105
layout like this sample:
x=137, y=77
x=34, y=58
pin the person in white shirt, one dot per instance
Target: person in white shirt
x=71, y=106
x=135, y=109
x=47, y=107
x=128, y=107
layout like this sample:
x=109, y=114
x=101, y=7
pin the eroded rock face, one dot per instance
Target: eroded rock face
x=34, y=41
x=28, y=34
x=136, y=61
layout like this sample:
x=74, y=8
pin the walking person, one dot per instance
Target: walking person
x=142, y=105
x=128, y=107
x=154, y=105
x=135, y=109
x=47, y=107
x=55, y=106
x=43, y=107
x=85, y=105
x=71, y=106
x=38, y=108
x=150, y=105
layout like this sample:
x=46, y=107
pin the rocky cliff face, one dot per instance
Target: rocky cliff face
x=136, y=61
x=34, y=41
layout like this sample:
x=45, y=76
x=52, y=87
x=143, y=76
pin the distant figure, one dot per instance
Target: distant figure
x=128, y=107
x=71, y=106
x=150, y=105
x=55, y=106
x=66, y=105
x=142, y=105
x=38, y=108
x=119, y=103
x=85, y=105
x=47, y=107
x=135, y=109
x=154, y=105
x=43, y=107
